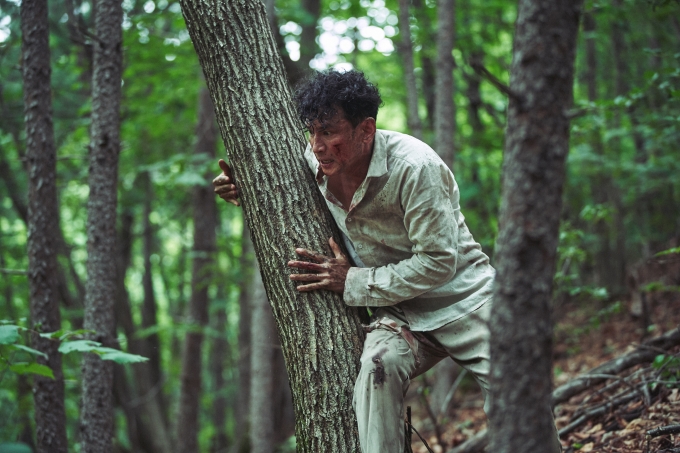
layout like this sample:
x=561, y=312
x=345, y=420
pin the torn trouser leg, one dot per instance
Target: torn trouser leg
x=386, y=363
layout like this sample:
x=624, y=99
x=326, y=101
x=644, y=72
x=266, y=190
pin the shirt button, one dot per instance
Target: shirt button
x=349, y=219
x=360, y=246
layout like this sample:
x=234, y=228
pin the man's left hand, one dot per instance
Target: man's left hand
x=328, y=273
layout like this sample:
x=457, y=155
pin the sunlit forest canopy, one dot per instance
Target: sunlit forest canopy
x=621, y=199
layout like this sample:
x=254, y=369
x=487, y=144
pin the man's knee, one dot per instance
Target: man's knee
x=384, y=363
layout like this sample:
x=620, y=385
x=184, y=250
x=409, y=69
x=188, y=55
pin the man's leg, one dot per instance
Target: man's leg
x=467, y=342
x=386, y=363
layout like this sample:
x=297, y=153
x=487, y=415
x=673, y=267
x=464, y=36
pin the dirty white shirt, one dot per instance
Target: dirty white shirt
x=408, y=238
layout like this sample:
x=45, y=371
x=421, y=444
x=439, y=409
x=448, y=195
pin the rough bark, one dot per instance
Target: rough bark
x=262, y=434
x=406, y=52
x=321, y=337
x=445, y=109
x=537, y=142
x=42, y=215
x=204, y=218
x=96, y=421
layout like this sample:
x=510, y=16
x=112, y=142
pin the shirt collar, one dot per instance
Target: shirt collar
x=378, y=165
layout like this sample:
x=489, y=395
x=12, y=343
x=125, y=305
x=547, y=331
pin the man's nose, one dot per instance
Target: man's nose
x=318, y=145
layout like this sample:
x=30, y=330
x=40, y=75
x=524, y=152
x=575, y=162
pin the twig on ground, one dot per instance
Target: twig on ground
x=599, y=410
x=449, y=396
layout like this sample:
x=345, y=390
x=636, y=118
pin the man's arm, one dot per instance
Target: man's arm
x=429, y=198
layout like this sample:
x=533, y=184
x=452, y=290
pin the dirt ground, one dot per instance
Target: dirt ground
x=587, y=334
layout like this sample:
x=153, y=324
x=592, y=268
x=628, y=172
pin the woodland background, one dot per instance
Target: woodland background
x=621, y=200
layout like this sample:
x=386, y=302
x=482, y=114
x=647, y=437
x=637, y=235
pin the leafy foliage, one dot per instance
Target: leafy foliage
x=621, y=197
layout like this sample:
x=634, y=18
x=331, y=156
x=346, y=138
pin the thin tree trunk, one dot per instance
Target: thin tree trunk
x=445, y=109
x=406, y=51
x=242, y=412
x=96, y=421
x=261, y=371
x=151, y=347
x=308, y=45
x=428, y=74
x=138, y=398
x=204, y=216
x=537, y=143
x=474, y=95
x=321, y=336
x=43, y=215
x=218, y=354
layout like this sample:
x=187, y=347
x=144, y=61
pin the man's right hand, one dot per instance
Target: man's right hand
x=224, y=186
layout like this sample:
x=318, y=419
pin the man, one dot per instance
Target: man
x=413, y=261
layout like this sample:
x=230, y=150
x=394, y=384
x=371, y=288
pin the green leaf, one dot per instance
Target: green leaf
x=15, y=447
x=119, y=356
x=9, y=334
x=32, y=368
x=52, y=335
x=29, y=350
x=669, y=252
x=78, y=345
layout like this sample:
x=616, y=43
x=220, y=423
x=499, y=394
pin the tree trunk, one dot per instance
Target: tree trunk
x=96, y=421
x=406, y=51
x=445, y=109
x=261, y=371
x=428, y=75
x=242, y=414
x=43, y=215
x=219, y=352
x=321, y=337
x=204, y=217
x=537, y=142
x=138, y=398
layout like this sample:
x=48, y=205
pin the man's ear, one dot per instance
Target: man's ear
x=368, y=129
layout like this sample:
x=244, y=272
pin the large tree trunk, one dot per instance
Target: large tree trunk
x=537, y=142
x=43, y=215
x=204, y=216
x=406, y=51
x=262, y=438
x=445, y=109
x=321, y=337
x=96, y=420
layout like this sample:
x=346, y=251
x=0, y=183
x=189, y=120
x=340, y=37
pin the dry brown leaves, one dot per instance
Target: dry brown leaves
x=621, y=429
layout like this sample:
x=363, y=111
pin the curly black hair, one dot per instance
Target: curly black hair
x=319, y=96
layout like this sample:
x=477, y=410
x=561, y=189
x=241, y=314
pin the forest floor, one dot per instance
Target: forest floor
x=586, y=335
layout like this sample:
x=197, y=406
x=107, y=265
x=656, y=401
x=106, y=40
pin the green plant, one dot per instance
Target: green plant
x=70, y=341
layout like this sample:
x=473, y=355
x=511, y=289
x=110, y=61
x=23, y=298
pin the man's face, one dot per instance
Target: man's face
x=337, y=145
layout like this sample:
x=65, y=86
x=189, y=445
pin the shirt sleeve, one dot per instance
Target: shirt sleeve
x=429, y=198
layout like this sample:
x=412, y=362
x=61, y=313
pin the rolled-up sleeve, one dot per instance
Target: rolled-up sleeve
x=429, y=200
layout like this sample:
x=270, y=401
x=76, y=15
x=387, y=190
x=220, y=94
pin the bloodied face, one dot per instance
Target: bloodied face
x=341, y=148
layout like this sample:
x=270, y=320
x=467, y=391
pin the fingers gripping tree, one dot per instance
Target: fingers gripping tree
x=321, y=337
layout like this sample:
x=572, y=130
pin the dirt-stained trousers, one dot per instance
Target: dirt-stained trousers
x=393, y=355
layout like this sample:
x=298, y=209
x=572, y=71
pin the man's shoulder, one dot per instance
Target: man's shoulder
x=407, y=150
